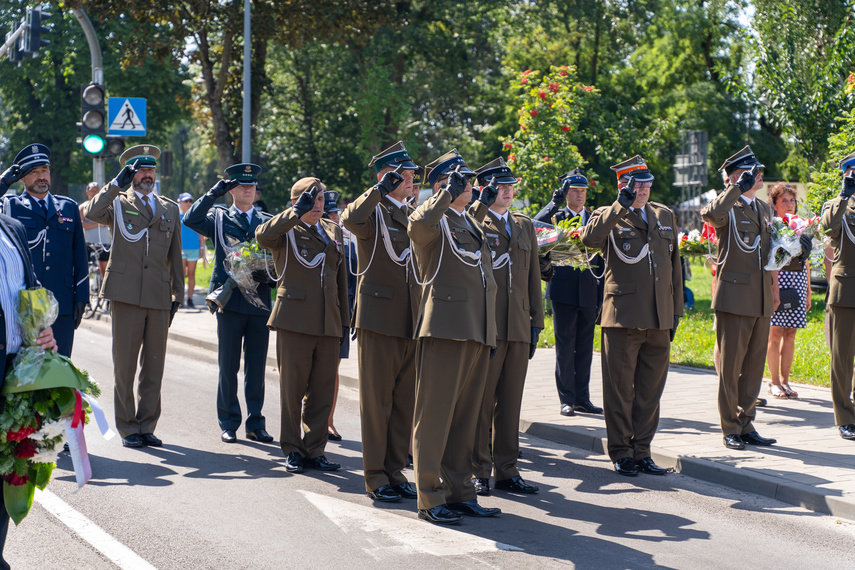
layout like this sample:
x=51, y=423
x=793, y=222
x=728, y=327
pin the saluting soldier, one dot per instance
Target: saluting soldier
x=386, y=312
x=310, y=318
x=519, y=320
x=838, y=217
x=55, y=235
x=642, y=306
x=145, y=286
x=576, y=295
x=242, y=321
x=745, y=296
x=456, y=331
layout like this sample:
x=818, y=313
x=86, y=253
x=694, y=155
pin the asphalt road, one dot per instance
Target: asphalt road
x=200, y=503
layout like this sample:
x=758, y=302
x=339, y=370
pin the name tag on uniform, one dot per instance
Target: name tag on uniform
x=132, y=213
x=492, y=235
x=666, y=228
x=392, y=229
x=457, y=230
x=304, y=237
x=744, y=221
x=624, y=229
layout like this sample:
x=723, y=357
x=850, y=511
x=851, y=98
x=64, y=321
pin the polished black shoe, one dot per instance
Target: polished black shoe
x=440, y=515
x=761, y=402
x=334, y=437
x=384, y=494
x=133, y=440
x=482, y=486
x=646, y=465
x=150, y=439
x=321, y=463
x=754, y=438
x=405, y=490
x=294, y=463
x=587, y=408
x=229, y=436
x=516, y=485
x=626, y=466
x=847, y=431
x=259, y=435
x=473, y=509
x=733, y=441
x=566, y=410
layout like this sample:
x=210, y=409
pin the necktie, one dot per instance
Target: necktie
x=404, y=210
x=314, y=230
x=244, y=220
x=44, y=207
x=147, y=206
x=508, y=225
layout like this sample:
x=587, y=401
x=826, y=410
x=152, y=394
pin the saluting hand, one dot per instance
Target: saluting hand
x=10, y=176
x=390, y=181
x=560, y=195
x=456, y=184
x=126, y=175
x=746, y=179
x=305, y=202
x=222, y=187
x=489, y=193
x=626, y=196
x=848, y=186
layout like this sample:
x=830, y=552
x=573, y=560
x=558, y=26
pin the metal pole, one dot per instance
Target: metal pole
x=12, y=39
x=98, y=174
x=247, y=85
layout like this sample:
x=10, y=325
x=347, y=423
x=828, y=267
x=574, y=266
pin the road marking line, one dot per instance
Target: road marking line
x=118, y=553
x=415, y=535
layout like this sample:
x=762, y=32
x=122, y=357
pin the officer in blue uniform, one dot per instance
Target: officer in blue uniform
x=240, y=322
x=55, y=236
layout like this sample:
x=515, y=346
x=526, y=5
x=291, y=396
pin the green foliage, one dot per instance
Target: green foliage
x=826, y=180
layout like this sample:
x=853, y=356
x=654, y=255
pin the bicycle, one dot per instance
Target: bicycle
x=95, y=280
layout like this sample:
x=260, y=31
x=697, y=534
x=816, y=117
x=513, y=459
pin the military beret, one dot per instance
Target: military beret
x=635, y=167
x=445, y=164
x=144, y=155
x=394, y=156
x=742, y=160
x=498, y=168
x=32, y=156
x=304, y=185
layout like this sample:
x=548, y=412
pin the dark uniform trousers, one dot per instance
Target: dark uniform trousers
x=138, y=333
x=501, y=410
x=307, y=367
x=387, y=393
x=457, y=372
x=637, y=365
x=740, y=375
x=234, y=329
x=574, y=350
x=841, y=333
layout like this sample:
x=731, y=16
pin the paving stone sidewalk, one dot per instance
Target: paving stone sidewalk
x=811, y=466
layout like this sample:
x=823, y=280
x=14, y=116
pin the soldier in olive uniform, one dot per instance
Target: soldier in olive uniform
x=386, y=311
x=310, y=318
x=745, y=297
x=241, y=322
x=145, y=286
x=519, y=320
x=456, y=330
x=838, y=217
x=642, y=305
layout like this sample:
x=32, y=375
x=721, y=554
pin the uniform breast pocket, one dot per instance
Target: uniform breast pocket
x=630, y=242
x=525, y=253
x=462, y=240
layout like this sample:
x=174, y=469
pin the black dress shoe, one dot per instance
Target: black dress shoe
x=566, y=410
x=334, y=437
x=482, y=486
x=646, y=465
x=761, y=402
x=229, y=436
x=626, y=466
x=587, y=408
x=133, y=440
x=259, y=435
x=294, y=463
x=150, y=439
x=516, y=485
x=321, y=463
x=847, y=431
x=405, y=490
x=754, y=438
x=473, y=509
x=385, y=494
x=733, y=441
x=440, y=515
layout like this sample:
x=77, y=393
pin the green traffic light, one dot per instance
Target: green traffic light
x=94, y=144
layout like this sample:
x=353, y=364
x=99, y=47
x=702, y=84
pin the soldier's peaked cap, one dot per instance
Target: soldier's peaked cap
x=418, y=176
x=246, y=173
x=141, y=154
x=331, y=201
x=742, y=160
x=445, y=164
x=394, y=156
x=576, y=177
x=847, y=161
x=634, y=167
x=32, y=156
x=498, y=168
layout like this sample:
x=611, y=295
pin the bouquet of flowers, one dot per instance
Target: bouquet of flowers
x=562, y=243
x=46, y=401
x=694, y=244
x=240, y=263
x=786, y=232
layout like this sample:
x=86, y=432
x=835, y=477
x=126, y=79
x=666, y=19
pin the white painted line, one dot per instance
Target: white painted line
x=402, y=534
x=118, y=553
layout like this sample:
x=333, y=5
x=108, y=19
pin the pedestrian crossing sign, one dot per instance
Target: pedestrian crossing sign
x=126, y=116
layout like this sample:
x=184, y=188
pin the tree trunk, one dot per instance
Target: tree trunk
x=214, y=89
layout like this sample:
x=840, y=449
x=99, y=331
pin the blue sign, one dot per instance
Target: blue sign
x=126, y=116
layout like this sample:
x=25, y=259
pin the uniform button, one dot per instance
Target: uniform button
x=48, y=254
x=2, y=347
x=449, y=297
x=47, y=241
x=657, y=279
x=649, y=239
x=654, y=265
x=287, y=296
x=47, y=268
x=145, y=267
x=510, y=290
x=376, y=293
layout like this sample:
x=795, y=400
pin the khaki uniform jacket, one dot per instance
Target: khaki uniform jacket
x=306, y=303
x=742, y=286
x=149, y=279
x=387, y=295
x=835, y=213
x=460, y=302
x=519, y=301
x=647, y=294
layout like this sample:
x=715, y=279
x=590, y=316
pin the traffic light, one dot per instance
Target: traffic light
x=92, y=119
x=32, y=41
x=14, y=53
x=115, y=146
